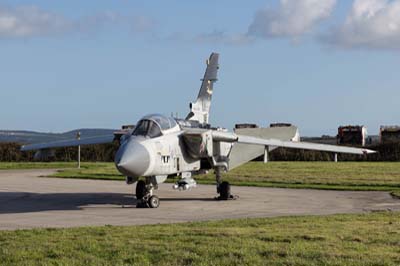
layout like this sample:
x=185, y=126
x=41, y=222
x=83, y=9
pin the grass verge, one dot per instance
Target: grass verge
x=369, y=239
x=363, y=176
x=315, y=175
x=396, y=194
x=37, y=165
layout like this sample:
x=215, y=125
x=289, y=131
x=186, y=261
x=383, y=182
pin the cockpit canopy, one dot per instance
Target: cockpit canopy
x=153, y=126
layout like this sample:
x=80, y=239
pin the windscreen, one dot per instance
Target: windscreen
x=147, y=128
x=164, y=122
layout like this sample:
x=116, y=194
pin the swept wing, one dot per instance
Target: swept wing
x=221, y=136
x=303, y=145
x=69, y=143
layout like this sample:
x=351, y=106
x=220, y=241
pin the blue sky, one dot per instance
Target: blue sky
x=314, y=63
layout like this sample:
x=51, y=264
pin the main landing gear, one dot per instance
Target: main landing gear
x=145, y=197
x=223, y=188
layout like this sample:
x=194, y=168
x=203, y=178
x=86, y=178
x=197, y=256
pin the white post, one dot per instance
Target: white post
x=78, y=137
x=335, y=157
x=266, y=154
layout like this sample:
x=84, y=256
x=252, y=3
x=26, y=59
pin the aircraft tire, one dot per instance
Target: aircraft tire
x=154, y=202
x=141, y=190
x=225, y=190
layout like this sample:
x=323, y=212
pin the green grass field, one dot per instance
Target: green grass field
x=370, y=239
x=318, y=175
x=37, y=165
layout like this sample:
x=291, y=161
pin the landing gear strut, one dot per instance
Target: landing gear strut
x=144, y=195
x=141, y=190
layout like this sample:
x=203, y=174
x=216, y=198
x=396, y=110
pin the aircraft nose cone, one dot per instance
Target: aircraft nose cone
x=132, y=159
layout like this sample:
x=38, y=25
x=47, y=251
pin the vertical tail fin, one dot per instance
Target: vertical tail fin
x=200, y=109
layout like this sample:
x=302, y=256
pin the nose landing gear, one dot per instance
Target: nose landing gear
x=145, y=197
x=141, y=190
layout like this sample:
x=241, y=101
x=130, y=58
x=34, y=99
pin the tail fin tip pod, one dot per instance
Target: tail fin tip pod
x=200, y=109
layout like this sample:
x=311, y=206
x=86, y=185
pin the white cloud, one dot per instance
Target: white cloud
x=31, y=21
x=218, y=37
x=215, y=37
x=370, y=24
x=28, y=21
x=291, y=19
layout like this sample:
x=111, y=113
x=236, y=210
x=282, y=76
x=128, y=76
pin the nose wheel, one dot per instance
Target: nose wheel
x=145, y=197
x=153, y=202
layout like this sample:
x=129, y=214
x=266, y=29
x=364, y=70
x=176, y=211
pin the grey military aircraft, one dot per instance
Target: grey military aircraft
x=160, y=147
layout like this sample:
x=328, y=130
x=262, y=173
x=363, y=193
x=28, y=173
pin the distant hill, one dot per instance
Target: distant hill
x=30, y=137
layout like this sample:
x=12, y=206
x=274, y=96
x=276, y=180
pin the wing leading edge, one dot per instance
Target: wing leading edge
x=303, y=145
x=69, y=143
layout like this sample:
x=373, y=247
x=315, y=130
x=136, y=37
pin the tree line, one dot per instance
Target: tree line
x=10, y=152
x=388, y=152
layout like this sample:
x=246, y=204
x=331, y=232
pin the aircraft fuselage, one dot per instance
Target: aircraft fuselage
x=160, y=156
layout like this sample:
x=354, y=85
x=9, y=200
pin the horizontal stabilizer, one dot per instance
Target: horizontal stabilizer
x=242, y=153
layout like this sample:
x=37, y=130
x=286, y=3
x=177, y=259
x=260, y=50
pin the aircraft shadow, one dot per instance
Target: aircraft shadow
x=22, y=202
x=187, y=199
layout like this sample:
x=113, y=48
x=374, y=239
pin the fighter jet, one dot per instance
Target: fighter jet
x=160, y=147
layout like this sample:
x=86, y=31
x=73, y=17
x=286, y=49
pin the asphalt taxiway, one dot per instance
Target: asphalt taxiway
x=28, y=200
